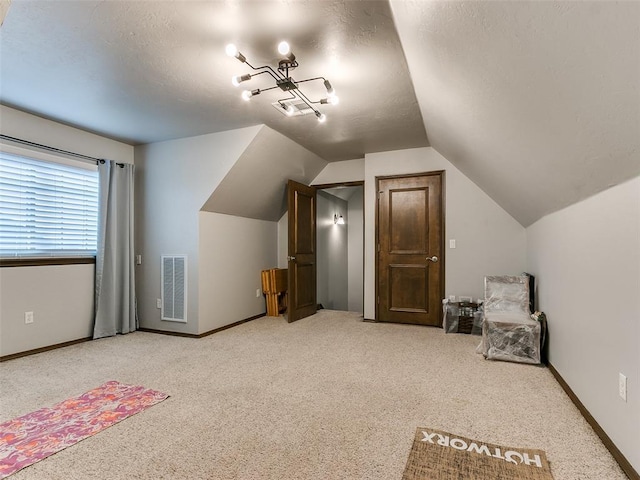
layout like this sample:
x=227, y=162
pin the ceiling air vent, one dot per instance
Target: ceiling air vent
x=295, y=105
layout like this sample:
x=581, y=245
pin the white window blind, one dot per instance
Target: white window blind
x=46, y=209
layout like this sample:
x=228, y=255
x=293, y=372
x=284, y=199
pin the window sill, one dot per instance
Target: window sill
x=38, y=262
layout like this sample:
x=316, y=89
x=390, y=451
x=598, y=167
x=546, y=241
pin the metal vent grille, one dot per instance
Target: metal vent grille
x=299, y=107
x=174, y=288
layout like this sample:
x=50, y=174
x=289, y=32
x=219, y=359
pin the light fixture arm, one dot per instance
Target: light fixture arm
x=311, y=79
x=308, y=102
x=291, y=97
x=267, y=89
x=267, y=69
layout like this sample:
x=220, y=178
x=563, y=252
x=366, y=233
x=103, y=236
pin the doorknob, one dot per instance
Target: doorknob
x=433, y=259
x=291, y=259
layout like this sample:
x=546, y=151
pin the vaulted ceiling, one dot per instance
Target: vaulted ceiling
x=537, y=102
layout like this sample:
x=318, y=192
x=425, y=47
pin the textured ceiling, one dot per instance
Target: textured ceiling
x=537, y=102
x=147, y=71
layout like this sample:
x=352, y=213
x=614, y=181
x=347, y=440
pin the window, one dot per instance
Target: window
x=47, y=209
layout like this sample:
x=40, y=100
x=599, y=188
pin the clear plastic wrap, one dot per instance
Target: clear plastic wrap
x=462, y=318
x=508, y=331
x=513, y=342
x=503, y=294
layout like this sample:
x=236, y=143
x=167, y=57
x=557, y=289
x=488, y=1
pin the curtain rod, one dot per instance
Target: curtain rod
x=56, y=150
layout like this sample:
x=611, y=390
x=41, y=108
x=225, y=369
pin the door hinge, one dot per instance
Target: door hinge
x=378, y=247
x=378, y=299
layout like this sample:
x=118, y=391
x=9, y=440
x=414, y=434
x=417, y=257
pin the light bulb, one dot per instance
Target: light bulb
x=321, y=117
x=231, y=50
x=329, y=88
x=238, y=79
x=247, y=94
x=289, y=110
x=283, y=48
x=332, y=99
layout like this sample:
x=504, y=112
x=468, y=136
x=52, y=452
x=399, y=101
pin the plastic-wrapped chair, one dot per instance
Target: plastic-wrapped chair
x=508, y=331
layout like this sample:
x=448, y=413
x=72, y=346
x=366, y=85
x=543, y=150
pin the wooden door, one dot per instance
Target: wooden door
x=410, y=267
x=302, y=251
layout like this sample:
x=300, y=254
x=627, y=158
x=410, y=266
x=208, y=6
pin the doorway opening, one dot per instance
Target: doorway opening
x=340, y=246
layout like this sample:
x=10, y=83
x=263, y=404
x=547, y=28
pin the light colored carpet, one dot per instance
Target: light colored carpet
x=328, y=397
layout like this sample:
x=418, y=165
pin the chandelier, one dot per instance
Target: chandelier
x=283, y=81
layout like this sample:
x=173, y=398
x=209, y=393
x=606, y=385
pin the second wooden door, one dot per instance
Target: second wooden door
x=410, y=268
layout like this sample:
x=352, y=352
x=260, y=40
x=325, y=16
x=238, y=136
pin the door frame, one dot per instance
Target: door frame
x=442, y=175
x=355, y=183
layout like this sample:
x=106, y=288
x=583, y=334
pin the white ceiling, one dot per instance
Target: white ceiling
x=146, y=71
x=537, y=102
x=256, y=185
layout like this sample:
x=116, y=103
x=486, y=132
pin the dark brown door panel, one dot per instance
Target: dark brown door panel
x=302, y=251
x=410, y=273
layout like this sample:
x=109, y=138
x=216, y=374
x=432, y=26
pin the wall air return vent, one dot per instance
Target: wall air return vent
x=292, y=107
x=174, y=288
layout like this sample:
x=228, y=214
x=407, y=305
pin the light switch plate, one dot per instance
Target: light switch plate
x=622, y=386
x=452, y=243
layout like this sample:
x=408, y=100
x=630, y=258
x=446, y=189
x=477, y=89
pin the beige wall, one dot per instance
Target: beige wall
x=52, y=134
x=488, y=240
x=174, y=179
x=232, y=253
x=586, y=259
x=339, y=172
x=61, y=297
x=332, y=252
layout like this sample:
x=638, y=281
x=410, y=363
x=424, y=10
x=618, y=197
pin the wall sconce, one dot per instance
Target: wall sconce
x=338, y=220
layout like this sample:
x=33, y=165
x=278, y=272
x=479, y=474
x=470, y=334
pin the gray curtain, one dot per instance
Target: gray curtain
x=115, y=309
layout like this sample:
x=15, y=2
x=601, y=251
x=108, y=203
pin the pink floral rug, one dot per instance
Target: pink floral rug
x=28, y=439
